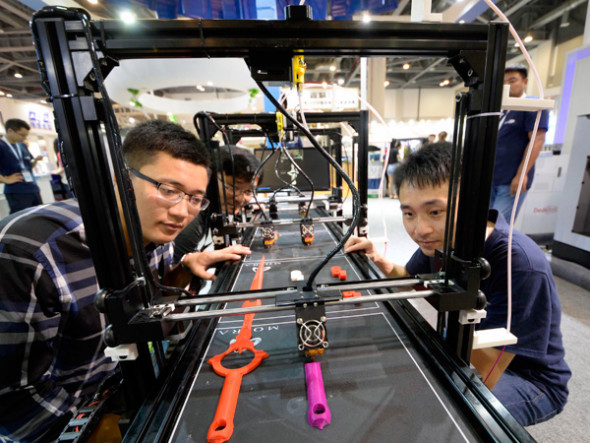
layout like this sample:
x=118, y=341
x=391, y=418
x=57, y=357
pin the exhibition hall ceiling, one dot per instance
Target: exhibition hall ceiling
x=542, y=20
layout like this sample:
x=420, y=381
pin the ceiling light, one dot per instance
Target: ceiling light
x=366, y=17
x=528, y=38
x=332, y=68
x=127, y=17
x=565, y=20
x=340, y=81
x=93, y=2
x=444, y=83
x=2, y=93
x=406, y=66
x=18, y=74
x=131, y=120
x=43, y=101
x=516, y=45
x=209, y=83
x=462, y=21
x=386, y=83
x=201, y=88
x=324, y=85
x=9, y=95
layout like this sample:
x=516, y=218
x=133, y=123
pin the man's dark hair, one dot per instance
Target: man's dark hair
x=429, y=166
x=244, y=163
x=15, y=124
x=521, y=69
x=148, y=138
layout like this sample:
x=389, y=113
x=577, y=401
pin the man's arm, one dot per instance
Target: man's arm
x=12, y=178
x=199, y=262
x=35, y=160
x=536, y=149
x=32, y=405
x=391, y=270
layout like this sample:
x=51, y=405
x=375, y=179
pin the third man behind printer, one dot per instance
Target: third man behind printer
x=514, y=135
x=235, y=188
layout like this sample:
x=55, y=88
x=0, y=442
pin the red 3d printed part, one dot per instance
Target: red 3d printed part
x=222, y=427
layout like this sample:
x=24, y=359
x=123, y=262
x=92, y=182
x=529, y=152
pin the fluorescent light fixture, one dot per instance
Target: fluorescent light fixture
x=131, y=120
x=2, y=93
x=406, y=66
x=366, y=17
x=386, y=83
x=332, y=68
x=324, y=85
x=93, y=2
x=209, y=83
x=9, y=95
x=340, y=81
x=528, y=38
x=200, y=88
x=18, y=74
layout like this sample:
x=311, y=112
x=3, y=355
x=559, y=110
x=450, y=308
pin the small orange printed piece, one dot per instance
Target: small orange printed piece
x=271, y=241
x=342, y=274
x=335, y=270
x=308, y=240
x=348, y=294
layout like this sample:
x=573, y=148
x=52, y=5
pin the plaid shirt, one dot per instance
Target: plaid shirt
x=51, y=345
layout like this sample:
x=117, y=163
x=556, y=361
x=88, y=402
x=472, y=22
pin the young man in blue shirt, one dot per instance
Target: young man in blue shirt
x=514, y=135
x=16, y=167
x=531, y=376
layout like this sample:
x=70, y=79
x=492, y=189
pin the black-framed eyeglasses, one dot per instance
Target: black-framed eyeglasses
x=173, y=194
x=238, y=192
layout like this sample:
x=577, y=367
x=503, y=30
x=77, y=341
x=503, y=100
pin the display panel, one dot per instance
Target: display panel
x=279, y=166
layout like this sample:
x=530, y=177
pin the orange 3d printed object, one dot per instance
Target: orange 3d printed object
x=223, y=424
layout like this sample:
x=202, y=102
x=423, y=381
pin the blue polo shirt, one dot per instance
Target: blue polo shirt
x=536, y=309
x=9, y=164
x=513, y=138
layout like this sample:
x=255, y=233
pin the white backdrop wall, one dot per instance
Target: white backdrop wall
x=419, y=104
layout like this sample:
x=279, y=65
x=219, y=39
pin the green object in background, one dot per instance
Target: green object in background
x=133, y=101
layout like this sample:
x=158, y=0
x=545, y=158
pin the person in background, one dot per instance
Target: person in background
x=61, y=190
x=392, y=162
x=514, y=136
x=51, y=344
x=442, y=138
x=16, y=167
x=238, y=168
x=529, y=378
x=431, y=140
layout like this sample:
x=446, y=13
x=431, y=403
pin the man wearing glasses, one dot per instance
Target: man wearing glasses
x=50, y=331
x=238, y=166
x=16, y=167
